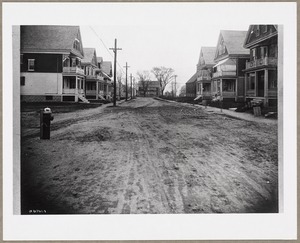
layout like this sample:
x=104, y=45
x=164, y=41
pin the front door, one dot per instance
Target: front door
x=260, y=84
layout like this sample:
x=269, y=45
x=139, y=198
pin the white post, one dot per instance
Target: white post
x=266, y=100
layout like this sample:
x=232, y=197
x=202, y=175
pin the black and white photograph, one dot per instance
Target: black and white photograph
x=152, y=110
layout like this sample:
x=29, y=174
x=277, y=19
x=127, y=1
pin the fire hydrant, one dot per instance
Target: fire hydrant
x=45, y=118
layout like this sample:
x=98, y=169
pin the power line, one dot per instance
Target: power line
x=106, y=47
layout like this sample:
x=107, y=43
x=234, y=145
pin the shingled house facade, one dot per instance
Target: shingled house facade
x=230, y=57
x=261, y=70
x=204, y=72
x=51, y=63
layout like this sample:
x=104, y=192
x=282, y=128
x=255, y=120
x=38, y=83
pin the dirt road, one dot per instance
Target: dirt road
x=149, y=156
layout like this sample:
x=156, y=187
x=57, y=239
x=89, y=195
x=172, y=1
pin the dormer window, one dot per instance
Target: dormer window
x=76, y=44
x=264, y=28
x=257, y=32
x=221, y=47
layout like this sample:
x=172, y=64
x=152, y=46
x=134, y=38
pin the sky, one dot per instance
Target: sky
x=169, y=35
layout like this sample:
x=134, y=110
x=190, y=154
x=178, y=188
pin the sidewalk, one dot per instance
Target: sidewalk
x=239, y=115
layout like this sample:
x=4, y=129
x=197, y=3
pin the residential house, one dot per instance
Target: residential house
x=106, y=69
x=93, y=81
x=230, y=57
x=51, y=63
x=261, y=71
x=191, y=86
x=204, y=72
x=148, y=89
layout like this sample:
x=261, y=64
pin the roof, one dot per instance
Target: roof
x=50, y=38
x=89, y=54
x=208, y=55
x=234, y=41
x=99, y=59
x=193, y=78
x=106, y=67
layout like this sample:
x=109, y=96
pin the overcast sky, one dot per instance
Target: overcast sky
x=169, y=35
x=153, y=34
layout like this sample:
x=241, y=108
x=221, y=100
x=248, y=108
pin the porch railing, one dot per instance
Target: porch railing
x=265, y=61
x=224, y=73
x=73, y=70
x=73, y=91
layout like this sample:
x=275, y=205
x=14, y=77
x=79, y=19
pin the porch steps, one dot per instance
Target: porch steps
x=101, y=97
x=83, y=99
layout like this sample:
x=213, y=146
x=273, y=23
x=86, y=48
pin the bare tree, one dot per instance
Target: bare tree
x=163, y=75
x=144, y=80
x=119, y=81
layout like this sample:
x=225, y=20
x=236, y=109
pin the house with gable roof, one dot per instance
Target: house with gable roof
x=106, y=69
x=261, y=71
x=105, y=72
x=191, y=86
x=93, y=81
x=51, y=63
x=230, y=57
x=204, y=71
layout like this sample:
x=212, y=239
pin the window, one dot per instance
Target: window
x=252, y=81
x=228, y=85
x=73, y=62
x=21, y=59
x=221, y=47
x=272, y=82
x=264, y=28
x=30, y=64
x=72, y=84
x=257, y=32
x=22, y=79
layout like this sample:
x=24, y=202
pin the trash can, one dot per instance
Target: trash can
x=45, y=118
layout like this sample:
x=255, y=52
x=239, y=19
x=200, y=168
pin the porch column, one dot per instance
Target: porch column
x=107, y=90
x=221, y=87
x=201, y=88
x=255, y=84
x=245, y=88
x=266, y=101
x=76, y=89
x=236, y=89
x=97, y=90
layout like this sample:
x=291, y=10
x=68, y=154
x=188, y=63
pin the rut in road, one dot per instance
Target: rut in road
x=148, y=156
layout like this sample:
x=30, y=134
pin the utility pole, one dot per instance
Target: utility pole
x=131, y=85
x=175, y=76
x=126, y=81
x=115, y=49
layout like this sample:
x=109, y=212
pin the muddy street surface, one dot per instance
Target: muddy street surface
x=148, y=156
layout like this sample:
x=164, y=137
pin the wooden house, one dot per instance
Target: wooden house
x=148, y=89
x=204, y=72
x=51, y=63
x=191, y=86
x=230, y=58
x=94, y=82
x=261, y=71
x=106, y=73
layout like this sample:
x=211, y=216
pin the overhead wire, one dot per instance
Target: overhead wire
x=106, y=48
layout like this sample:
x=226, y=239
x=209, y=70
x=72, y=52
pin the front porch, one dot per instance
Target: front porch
x=226, y=88
x=262, y=84
x=73, y=86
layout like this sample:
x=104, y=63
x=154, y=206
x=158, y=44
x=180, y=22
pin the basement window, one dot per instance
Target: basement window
x=31, y=64
x=22, y=79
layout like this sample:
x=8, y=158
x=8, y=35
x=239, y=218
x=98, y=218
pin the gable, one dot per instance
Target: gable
x=221, y=49
x=90, y=57
x=50, y=38
x=259, y=33
x=77, y=44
